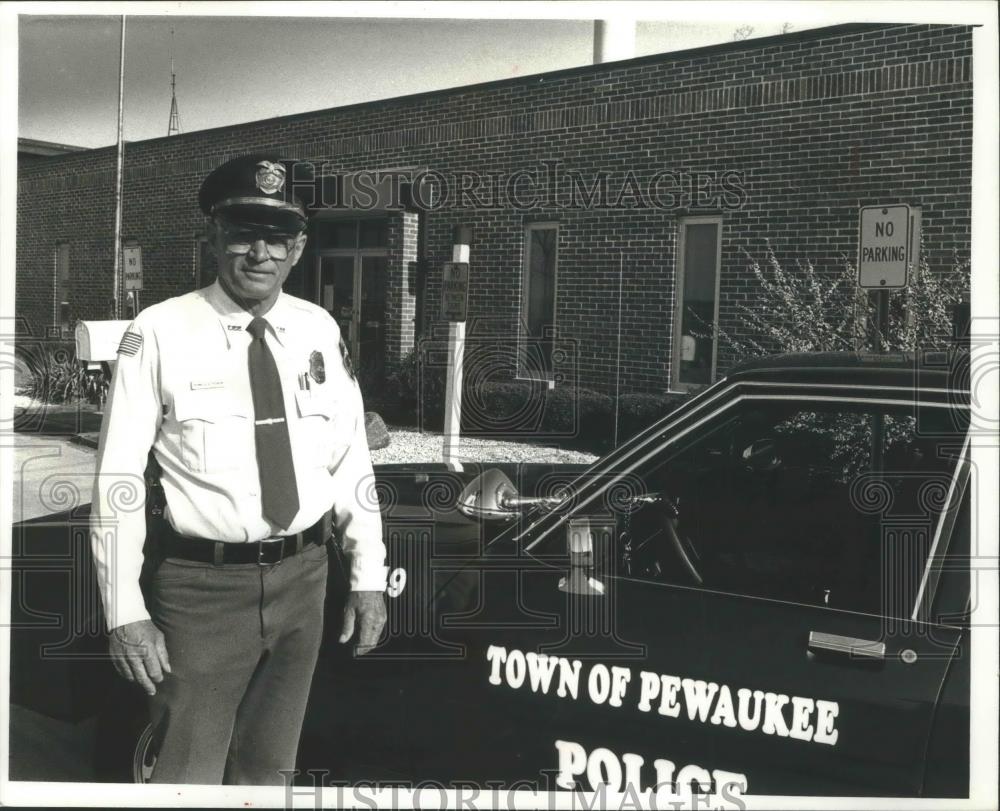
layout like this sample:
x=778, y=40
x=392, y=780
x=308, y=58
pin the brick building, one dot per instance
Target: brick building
x=655, y=173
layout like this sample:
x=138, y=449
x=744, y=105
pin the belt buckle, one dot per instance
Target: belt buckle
x=260, y=552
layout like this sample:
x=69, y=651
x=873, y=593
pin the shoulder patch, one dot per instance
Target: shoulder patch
x=347, y=359
x=130, y=344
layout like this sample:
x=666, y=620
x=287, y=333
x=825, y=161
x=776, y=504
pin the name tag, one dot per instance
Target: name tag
x=197, y=385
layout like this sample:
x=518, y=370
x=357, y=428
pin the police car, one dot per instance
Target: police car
x=765, y=592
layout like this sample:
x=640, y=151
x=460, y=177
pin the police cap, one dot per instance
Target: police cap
x=262, y=190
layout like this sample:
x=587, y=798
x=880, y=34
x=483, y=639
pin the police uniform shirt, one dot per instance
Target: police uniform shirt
x=182, y=386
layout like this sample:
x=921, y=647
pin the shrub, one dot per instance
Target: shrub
x=413, y=392
x=494, y=407
x=369, y=380
x=636, y=412
x=57, y=377
x=580, y=413
x=566, y=414
x=398, y=383
x=806, y=310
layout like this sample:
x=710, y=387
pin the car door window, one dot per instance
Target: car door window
x=792, y=502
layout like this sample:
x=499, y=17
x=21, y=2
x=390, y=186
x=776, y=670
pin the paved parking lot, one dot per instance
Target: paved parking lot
x=50, y=474
x=54, y=456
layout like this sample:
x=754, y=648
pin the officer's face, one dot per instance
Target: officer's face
x=253, y=264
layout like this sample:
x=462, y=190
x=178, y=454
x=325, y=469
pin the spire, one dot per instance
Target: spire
x=174, y=127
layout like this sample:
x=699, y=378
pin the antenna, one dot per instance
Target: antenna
x=174, y=127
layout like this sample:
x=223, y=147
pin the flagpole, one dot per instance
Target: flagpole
x=118, y=178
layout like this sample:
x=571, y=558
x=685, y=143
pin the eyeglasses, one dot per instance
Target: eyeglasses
x=239, y=242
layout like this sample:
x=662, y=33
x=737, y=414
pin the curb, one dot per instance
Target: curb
x=88, y=439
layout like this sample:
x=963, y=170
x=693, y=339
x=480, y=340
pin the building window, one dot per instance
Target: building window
x=61, y=297
x=538, y=302
x=697, y=313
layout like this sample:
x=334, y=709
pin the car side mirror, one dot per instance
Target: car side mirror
x=488, y=497
x=491, y=496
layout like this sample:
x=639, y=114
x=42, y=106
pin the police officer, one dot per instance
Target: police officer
x=246, y=396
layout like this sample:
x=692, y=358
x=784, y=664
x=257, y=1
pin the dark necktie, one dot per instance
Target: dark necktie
x=279, y=495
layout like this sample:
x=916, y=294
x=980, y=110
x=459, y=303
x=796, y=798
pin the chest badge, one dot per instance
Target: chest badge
x=317, y=369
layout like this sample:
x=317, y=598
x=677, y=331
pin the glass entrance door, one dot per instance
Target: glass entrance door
x=336, y=293
x=352, y=288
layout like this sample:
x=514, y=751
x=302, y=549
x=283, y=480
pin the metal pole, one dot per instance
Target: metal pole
x=879, y=319
x=118, y=179
x=462, y=240
x=614, y=39
x=618, y=358
x=883, y=314
x=882, y=334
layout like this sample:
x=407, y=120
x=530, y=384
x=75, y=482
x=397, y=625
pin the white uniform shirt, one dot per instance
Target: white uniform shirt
x=182, y=387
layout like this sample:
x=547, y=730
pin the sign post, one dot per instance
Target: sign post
x=884, y=244
x=883, y=257
x=454, y=308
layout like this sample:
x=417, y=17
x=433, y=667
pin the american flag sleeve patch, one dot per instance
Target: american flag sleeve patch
x=131, y=343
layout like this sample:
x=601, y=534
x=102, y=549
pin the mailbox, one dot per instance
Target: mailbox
x=97, y=342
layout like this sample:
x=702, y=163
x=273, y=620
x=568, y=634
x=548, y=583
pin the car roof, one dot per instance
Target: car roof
x=921, y=369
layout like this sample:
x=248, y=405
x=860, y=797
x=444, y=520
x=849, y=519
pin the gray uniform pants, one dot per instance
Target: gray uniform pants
x=242, y=641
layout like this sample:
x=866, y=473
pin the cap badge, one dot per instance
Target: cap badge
x=270, y=177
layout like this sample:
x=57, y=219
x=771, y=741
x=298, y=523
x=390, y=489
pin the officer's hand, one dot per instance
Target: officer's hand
x=368, y=608
x=139, y=653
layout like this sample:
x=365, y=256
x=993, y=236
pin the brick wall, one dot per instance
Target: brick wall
x=815, y=124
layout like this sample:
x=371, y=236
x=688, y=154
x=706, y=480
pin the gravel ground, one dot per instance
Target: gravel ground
x=413, y=446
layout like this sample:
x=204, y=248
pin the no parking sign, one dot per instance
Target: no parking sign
x=455, y=291
x=883, y=246
x=132, y=263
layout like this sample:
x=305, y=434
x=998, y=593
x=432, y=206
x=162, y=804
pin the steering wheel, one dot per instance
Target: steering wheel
x=761, y=456
x=670, y=526
x=665, y=516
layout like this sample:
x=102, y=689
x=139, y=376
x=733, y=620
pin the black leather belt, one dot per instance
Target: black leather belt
x=263, y=553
